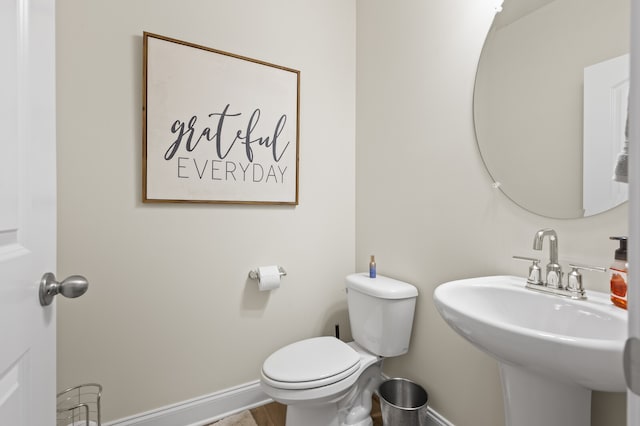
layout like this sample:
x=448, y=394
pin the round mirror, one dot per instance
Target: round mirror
x=550, y=104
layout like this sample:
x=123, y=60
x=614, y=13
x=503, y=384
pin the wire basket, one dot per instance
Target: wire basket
x=79, y=406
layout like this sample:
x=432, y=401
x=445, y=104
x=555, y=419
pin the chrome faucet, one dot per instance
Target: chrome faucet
x=553, y=284
x=554, y=270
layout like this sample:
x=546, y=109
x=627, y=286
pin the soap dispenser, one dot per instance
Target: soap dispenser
x=618, y=274
x=372, y=267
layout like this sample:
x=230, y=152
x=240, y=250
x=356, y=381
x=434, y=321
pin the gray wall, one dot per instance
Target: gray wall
x=425, y=205
x=170, y=314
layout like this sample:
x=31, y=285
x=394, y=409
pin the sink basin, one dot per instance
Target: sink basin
x=546, y=345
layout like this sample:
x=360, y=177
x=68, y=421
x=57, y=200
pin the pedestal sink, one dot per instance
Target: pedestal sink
x=553, y=351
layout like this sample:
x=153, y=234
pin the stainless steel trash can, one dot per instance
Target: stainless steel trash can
x=403, y=403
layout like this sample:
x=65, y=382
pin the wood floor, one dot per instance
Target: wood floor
x=274, y=414
x=270, y=415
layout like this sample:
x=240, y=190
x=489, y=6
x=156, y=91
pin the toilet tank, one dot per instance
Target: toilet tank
x=381, y=313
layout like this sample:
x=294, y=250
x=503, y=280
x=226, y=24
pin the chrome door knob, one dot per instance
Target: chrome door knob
x=71, y=287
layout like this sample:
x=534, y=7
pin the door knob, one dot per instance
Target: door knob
x=73, y=286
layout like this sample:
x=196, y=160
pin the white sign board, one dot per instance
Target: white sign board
x=218, y=127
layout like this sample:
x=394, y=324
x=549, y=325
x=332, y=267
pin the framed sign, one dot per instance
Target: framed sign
x=217, y=127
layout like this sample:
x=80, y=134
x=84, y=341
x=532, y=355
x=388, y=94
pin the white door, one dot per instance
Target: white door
x=27, y=211
x=633, y=399
x=606, y=93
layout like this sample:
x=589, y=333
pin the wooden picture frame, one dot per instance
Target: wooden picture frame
x=217, y=127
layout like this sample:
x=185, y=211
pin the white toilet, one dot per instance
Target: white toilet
x=326, y=382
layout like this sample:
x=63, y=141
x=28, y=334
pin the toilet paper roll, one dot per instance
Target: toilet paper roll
x=268, y=278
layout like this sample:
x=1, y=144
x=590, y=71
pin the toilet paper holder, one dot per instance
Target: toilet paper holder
x=253, y=274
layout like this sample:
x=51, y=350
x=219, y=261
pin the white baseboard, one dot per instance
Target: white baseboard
x=209, y=408
x=201, y=411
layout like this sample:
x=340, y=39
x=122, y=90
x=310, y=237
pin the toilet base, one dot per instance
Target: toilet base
x=312, y=415
x=353, y=409
x=319, y=415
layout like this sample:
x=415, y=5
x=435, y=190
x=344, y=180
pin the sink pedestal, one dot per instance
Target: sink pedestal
x=532, y=399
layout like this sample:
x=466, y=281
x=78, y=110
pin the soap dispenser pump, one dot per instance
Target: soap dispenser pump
x=618, y=274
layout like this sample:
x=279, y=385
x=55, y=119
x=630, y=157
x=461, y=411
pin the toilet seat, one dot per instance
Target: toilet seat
x=310, y=363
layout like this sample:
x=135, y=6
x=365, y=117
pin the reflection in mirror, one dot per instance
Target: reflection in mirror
x=550, y=103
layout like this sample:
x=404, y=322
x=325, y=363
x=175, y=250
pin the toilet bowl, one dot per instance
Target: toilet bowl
x=319, y=380
x=327, y=382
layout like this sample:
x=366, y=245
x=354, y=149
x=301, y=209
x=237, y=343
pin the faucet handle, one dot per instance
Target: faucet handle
x=534, y=270
x=574, y=279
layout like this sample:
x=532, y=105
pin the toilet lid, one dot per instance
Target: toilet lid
x=319, y=361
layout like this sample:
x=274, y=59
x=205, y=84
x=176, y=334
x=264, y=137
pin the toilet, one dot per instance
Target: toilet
x=327, y=382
